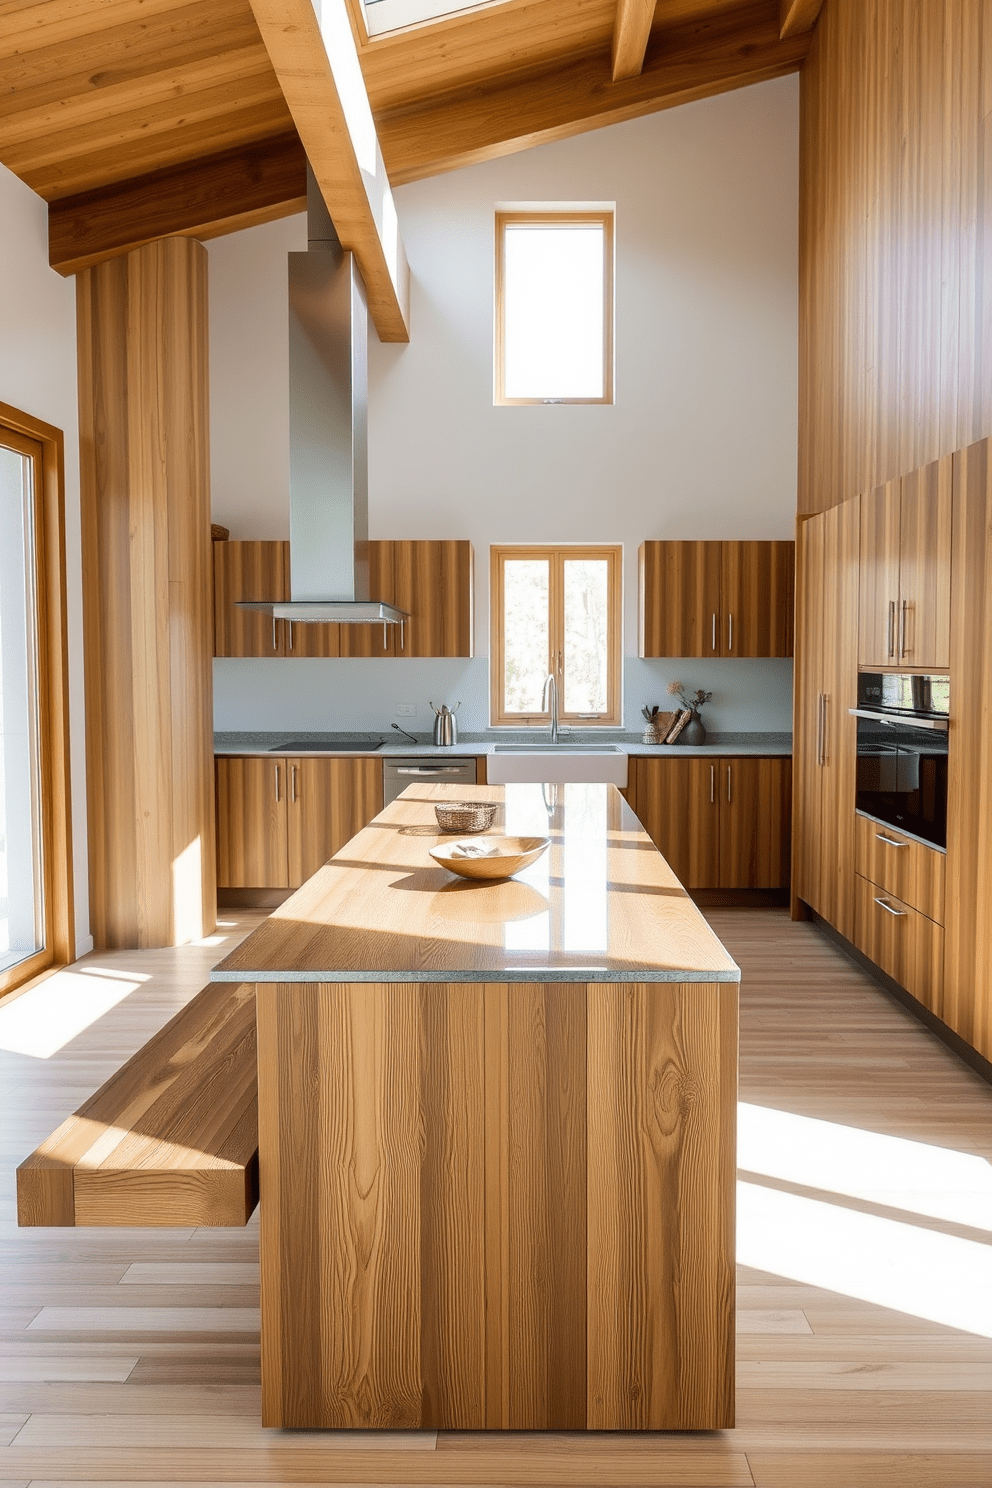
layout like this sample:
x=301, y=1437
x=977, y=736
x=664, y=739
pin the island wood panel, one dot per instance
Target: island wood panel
x=680, y=600
x=901, y=866
x=966, y=1002
x=895, y=242
x=662, y=1113
x=925, y=566
x=170, y=1139
x=252, y=822
x=678, y=804
x=144, y=495
x=543, y=1153
x=755, y=822
x=905, y=944
x=329, y=800
x=424, y=1254
x=250, y=571
x=758, y=593
x=878, y=639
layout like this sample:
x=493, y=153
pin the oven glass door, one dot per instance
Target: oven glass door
x=902, y=778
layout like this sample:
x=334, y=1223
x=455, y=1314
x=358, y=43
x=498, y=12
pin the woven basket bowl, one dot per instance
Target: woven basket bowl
x=465, y=816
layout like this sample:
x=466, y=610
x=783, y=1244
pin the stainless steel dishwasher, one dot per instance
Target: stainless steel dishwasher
x=397, y=774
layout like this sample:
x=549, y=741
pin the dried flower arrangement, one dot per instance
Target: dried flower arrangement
x=693, y=703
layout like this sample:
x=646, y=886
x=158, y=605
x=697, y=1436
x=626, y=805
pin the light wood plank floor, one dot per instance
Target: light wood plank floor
x=865, y=1241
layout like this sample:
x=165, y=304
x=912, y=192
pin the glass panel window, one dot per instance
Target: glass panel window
x=556, y=611
x=22, y=906
x=587, y=635
x=554, y=307
x=527, y=587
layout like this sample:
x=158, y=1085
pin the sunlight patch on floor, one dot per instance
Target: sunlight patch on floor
x=45, y=1018
x=894, y=1171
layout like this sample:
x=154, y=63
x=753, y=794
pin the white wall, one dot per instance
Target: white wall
x=38, y=376
x=701, y=441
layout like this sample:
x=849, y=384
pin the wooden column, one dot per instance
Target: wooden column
x=142, y=351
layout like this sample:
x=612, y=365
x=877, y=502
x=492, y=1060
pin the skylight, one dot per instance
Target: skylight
x=395, y=15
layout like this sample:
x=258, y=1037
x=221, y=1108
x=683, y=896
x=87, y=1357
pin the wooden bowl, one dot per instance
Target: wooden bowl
x=511, y=855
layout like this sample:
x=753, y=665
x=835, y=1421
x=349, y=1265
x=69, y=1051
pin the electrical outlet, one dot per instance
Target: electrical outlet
x=406, y=710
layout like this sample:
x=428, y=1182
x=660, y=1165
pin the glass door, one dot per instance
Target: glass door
x=24, y=907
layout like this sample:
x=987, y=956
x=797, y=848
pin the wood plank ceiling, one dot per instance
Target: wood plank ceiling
x=137, y=118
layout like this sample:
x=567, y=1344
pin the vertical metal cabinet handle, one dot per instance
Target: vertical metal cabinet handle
x=896, y=913
x=402, y=635
x=275, y=643
x=712, y=784
x=819, y=728
x=730, y=632
x=826, y=704
x=729, y=797
x=902, y=631
x=292, y=783
x=277, y=782
x=714, y=633
x=889, y=841
x=289, y=632
x=891, y=645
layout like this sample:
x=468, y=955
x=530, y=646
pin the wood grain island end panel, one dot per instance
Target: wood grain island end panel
x=444, y=1167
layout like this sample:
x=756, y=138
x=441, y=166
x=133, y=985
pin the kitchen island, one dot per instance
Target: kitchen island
x=496, y=1133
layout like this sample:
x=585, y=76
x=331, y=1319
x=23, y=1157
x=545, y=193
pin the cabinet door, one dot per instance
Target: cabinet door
x=924, y=620
x=907, y=945
x=758, y=586
x=839, y=671
x=808, y=711
x=680, y=605
x=251, y=823
x=374, y=640
x=755, y=822
x=878, y=627
x=329, y=801
x=677, y=802
x=433, y=581
x=249, y=570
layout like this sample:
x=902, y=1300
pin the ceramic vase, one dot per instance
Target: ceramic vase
x=694, y=732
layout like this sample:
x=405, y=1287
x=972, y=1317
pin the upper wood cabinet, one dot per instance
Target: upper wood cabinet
x=906, y=570
x=719, y=823
x=716, y=598
x=433, y=581
x=280, y=818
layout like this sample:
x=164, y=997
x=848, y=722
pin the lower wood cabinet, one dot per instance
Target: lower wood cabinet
x=902, y=942
x=721, y=823
x=280, y=818
x=901, y=866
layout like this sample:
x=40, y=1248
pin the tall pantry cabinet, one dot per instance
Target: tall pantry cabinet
x=825, y=733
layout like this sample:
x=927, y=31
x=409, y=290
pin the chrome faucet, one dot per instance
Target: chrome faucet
x=551, y=687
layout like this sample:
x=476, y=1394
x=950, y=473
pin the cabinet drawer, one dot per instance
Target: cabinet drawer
x=903, y=943
x=908, y=869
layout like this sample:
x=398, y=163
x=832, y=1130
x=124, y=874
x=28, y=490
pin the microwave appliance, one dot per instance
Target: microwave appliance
x=902, y=752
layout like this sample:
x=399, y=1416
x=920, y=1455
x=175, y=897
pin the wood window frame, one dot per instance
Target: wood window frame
x=16, y=428
x=604, y=218
x=556, y=553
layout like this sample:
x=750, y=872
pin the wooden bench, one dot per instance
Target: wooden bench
x=170, y=1139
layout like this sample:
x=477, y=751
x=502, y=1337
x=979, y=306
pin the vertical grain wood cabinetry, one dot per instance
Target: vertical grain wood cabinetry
x=432, y=580
x=279, y=819
x=966, y=997
x=715, y=598
x=719, y=823
x=902, y=942
x=905, y=570
x=825, y=737
x=912, y=871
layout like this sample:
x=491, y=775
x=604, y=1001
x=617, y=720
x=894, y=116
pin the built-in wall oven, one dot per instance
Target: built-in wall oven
x=902, y=752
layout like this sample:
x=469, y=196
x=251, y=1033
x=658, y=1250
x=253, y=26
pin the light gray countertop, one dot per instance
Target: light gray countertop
x=740, y=745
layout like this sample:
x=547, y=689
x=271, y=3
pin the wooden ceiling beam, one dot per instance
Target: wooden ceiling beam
x=682, y=65
x=202, y=199
x=631, y=31
x=797, y=16
x=317, y=65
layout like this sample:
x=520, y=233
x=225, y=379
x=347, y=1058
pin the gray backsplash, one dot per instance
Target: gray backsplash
x=337, y=695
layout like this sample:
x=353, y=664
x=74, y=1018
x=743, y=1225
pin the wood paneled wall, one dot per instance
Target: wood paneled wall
x=895, y=241
x=142, y=352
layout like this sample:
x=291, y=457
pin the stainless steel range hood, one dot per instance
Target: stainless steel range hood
x=328, y=435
